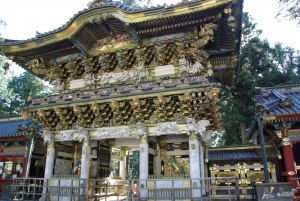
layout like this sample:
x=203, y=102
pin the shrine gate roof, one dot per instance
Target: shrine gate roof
x=15, y=127
x=146, y=26
x=279, y=102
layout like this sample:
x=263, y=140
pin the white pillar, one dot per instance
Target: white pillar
x=49, y=166
x=122, y=170
x=202, y=162
x=202, y=168
x=144, y=165
x=85, y=160
x=157, y=161
x=194, y=151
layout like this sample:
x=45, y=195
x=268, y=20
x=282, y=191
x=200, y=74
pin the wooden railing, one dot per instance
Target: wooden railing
x=200, y=189
x=170, y=189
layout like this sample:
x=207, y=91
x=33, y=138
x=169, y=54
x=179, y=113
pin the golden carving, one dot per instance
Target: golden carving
x=286, y=141
x=192, y=136
x=255, y=176
x=143, y=139
x=25, y=114
x=227, y=174
x=291, y=173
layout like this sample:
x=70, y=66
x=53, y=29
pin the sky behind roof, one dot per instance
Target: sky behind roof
x=25, y=17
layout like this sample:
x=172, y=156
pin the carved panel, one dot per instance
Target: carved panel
x=167, y=128
x=93, y=169
x=111, y=132
x=62, y=167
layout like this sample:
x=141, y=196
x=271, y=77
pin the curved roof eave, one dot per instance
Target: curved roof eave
x=88, y=15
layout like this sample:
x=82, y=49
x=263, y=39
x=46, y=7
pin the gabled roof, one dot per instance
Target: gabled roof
x=242, y=153
x=15, y=127
x=107, y=20
x=279, y=101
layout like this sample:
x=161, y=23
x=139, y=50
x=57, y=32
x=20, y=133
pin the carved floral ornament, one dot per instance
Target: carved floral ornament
x=189, y=45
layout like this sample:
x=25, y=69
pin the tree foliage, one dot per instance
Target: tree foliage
x=289, y=9
x=261, y=65
x=15, y=91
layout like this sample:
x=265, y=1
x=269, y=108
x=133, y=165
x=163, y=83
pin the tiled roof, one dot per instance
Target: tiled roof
x=13, y=127
x=240, y=153
x=278, y=101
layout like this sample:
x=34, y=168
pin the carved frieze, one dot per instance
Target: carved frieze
x=147, y=85
x=67, y=135
x=37, y=101
x=111, y=132
x=48, y=137
x=170, y=82
x=81, y=134
x=141, y=130
x=53, y=98
x=195, y=79
x=105, y=91
x=169, y=37
x=167, y=128
x=125, y=88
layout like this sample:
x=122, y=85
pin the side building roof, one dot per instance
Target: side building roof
x=278, y=102
x=241, y=153
x=16, y=126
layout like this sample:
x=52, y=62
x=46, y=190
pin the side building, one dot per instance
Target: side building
x=278, y=123
x=21, y=148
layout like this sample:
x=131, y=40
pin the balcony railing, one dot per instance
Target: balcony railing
x=200, y=189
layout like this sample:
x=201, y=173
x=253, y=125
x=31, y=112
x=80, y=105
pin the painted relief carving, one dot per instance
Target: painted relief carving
x=141, y=130
x=142, y=71
x=90, y=80
x=198, y=127
x=167, y=128
x=113, y=42
x=58, y=85
x=112, y=132
x=207, y=31
x=37, y=66
x=81, y=134
x=62, y=167
x=66, y=135
x=48, y=137
x=189, y=67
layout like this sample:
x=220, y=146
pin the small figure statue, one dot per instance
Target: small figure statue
x=183, y=65
x=195, y=68
x=210, y=72
x=142, y=70
x=77, y=167
x=58, y=85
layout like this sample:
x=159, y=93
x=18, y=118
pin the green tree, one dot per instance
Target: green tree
x=261, y=65
x=22, y=86
x=6, y=94
x=289, y=9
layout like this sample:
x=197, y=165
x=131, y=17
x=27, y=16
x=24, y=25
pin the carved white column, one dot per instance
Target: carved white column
x=196, y=154
x=144, y=165
x=202, y=166
x=85, y=156
x=122, y=171
x=194, y=151
x=157, y=161
x=49, y=166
